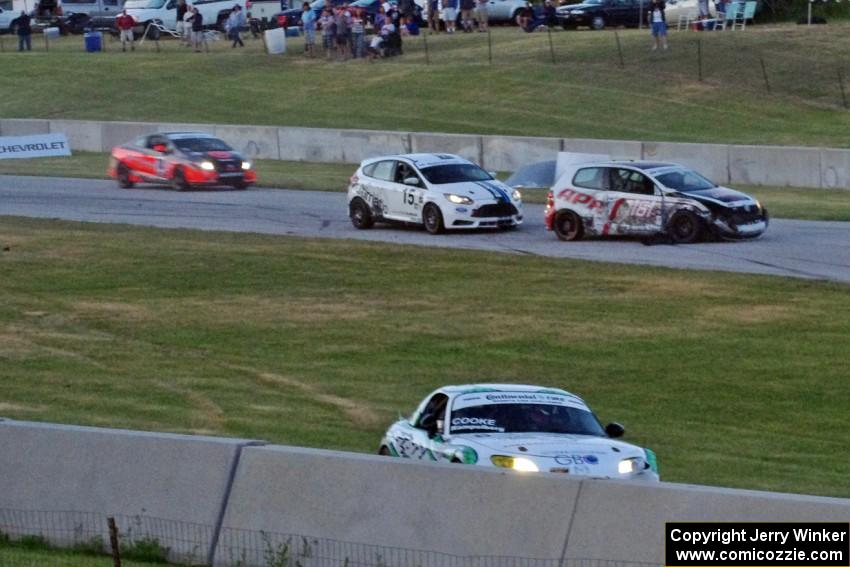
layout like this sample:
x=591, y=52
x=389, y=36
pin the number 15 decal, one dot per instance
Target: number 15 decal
x=408, y=197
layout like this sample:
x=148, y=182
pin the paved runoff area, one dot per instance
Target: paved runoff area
x=805, y=249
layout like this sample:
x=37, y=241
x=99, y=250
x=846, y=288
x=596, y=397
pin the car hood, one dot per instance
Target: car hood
x=721, y=195
x=551, y=445
x=477, y=190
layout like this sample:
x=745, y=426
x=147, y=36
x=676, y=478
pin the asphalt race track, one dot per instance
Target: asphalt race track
x=805, y=249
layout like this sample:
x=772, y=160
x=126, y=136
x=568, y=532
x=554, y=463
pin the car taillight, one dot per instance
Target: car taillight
x=550, y=200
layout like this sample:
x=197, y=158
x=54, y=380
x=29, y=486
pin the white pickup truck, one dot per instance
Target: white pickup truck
x=214, y=12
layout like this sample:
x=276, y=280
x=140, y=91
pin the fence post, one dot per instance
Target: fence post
x=619, y=50
x=489, y=46
x=113, y=542
x=841, y=84
x=425, y=41
x=699, y=59
x=46, y=41
x=551, y=45
x=764, y=74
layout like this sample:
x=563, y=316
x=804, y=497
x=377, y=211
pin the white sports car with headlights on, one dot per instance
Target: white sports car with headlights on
x=439, y=191
x=524, y=428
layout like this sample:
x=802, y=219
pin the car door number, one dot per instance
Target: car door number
x=408, y=197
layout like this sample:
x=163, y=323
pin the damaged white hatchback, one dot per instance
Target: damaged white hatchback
x=519, y=427
x=646, y=198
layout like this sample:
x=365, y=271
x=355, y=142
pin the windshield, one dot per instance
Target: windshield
x=454, y=173
x=525, y=418
x=685, y=180
x=144, y=4
x=201, y=145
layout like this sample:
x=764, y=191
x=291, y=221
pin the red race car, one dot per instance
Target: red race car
x=181, y=159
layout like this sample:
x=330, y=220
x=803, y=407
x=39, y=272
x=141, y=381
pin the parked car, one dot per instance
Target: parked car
x=519, y=427
x=180, y=159
x=439, y=191
x=645, y=198
x=599, y=14
x=6, y=18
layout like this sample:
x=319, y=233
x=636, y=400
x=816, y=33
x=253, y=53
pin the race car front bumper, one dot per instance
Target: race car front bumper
x=486, y=215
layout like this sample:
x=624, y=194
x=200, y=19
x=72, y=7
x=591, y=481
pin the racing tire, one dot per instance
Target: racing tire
x=432, y=218
x=384, y=451
x=684, y=227
x=360, y=215
x=598, y=23
x=178, y=180
x=122, y=175
x=568, y=226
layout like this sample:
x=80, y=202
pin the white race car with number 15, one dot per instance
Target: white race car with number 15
x=524, y=428
x=439, y=191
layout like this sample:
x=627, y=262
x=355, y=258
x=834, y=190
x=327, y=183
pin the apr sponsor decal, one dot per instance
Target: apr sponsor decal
x=577, y=460
x=579, y=198
x=409, y=448
x=374, y=201
x=475, y=424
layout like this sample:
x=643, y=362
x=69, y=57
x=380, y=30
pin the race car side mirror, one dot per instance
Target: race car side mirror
x=615, y=430
x=411, y=181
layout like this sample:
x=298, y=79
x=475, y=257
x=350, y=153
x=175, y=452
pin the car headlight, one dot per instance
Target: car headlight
x=246, y=165
x=516, y=195
x=631, y=466
x=577, y=12
x=458, y=199
x=515, y=463
x=207, y=166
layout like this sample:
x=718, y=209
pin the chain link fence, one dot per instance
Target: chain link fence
x=82, y=539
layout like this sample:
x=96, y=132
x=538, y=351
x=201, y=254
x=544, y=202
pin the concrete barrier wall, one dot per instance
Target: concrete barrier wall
x=110, y=471
x=335, y=498
x=752, y=165
x=400, y=503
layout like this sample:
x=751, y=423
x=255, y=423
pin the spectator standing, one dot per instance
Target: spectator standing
x=235, y=23
x=342, y=19
x=434, y=16
x=550, y=15
x=328, y=29
x=407, y=8
x=659, y=23
x=450, y=15
x=24, y=27
x=358, y=28
x=126, y=23
x=704, y=11
x=187, y=25
x=181, y=13
x=197, y=29
x=308, y=21
x=466, y=9
x=482, y=15
x=380, y=18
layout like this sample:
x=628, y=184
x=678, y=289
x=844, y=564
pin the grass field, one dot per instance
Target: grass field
x=584, y=93
x=734, y=380
x=782, y=202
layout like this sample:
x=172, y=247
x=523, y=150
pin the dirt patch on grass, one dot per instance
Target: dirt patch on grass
x=750, y=314
x=355, y=411
x=128, y=311
x=9, y=407
x=207, y=415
